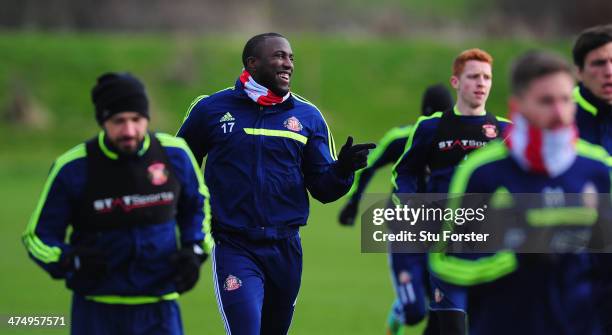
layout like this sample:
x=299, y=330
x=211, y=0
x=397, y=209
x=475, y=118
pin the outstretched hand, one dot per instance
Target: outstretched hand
x=353, y=157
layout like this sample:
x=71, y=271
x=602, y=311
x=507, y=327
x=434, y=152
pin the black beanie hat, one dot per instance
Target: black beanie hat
x=119, y=92
x=437, y=98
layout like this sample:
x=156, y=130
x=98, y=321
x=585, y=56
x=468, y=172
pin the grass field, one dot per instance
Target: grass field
x=363, y=86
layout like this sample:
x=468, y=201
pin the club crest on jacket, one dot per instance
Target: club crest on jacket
x=157, y=173
x=293, y=124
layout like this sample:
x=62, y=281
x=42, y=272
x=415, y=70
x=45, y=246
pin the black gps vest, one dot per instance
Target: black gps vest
x=454, y=139
x=128, y=191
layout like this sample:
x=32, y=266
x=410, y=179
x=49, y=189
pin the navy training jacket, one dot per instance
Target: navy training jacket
x=261, y=161
x=140, y=269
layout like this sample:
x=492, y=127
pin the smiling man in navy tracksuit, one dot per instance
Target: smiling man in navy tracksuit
x=267, y=148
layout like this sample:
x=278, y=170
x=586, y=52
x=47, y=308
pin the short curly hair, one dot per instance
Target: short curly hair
x=468, y=55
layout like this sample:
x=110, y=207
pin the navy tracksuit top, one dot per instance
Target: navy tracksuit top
x=261, y=161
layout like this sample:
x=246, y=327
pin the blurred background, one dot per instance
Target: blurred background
x=363, y=63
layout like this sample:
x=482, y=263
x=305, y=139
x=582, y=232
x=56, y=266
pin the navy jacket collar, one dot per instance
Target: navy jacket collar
x=602, y=106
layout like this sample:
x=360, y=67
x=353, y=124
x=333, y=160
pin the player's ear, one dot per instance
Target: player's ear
x=251, y=64
x=578, y=73
x=454, y=81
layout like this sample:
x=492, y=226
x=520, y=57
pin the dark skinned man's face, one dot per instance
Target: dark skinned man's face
x=273, y=67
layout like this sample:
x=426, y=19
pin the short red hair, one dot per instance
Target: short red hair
x=467, y=55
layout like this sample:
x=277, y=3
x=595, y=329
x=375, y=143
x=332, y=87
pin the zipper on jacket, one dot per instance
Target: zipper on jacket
x=259, y=142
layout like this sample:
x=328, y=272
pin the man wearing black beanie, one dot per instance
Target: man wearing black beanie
x=115, y=94
x=124, y=193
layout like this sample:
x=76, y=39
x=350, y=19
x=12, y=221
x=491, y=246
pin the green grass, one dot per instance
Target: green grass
x=363, y=86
